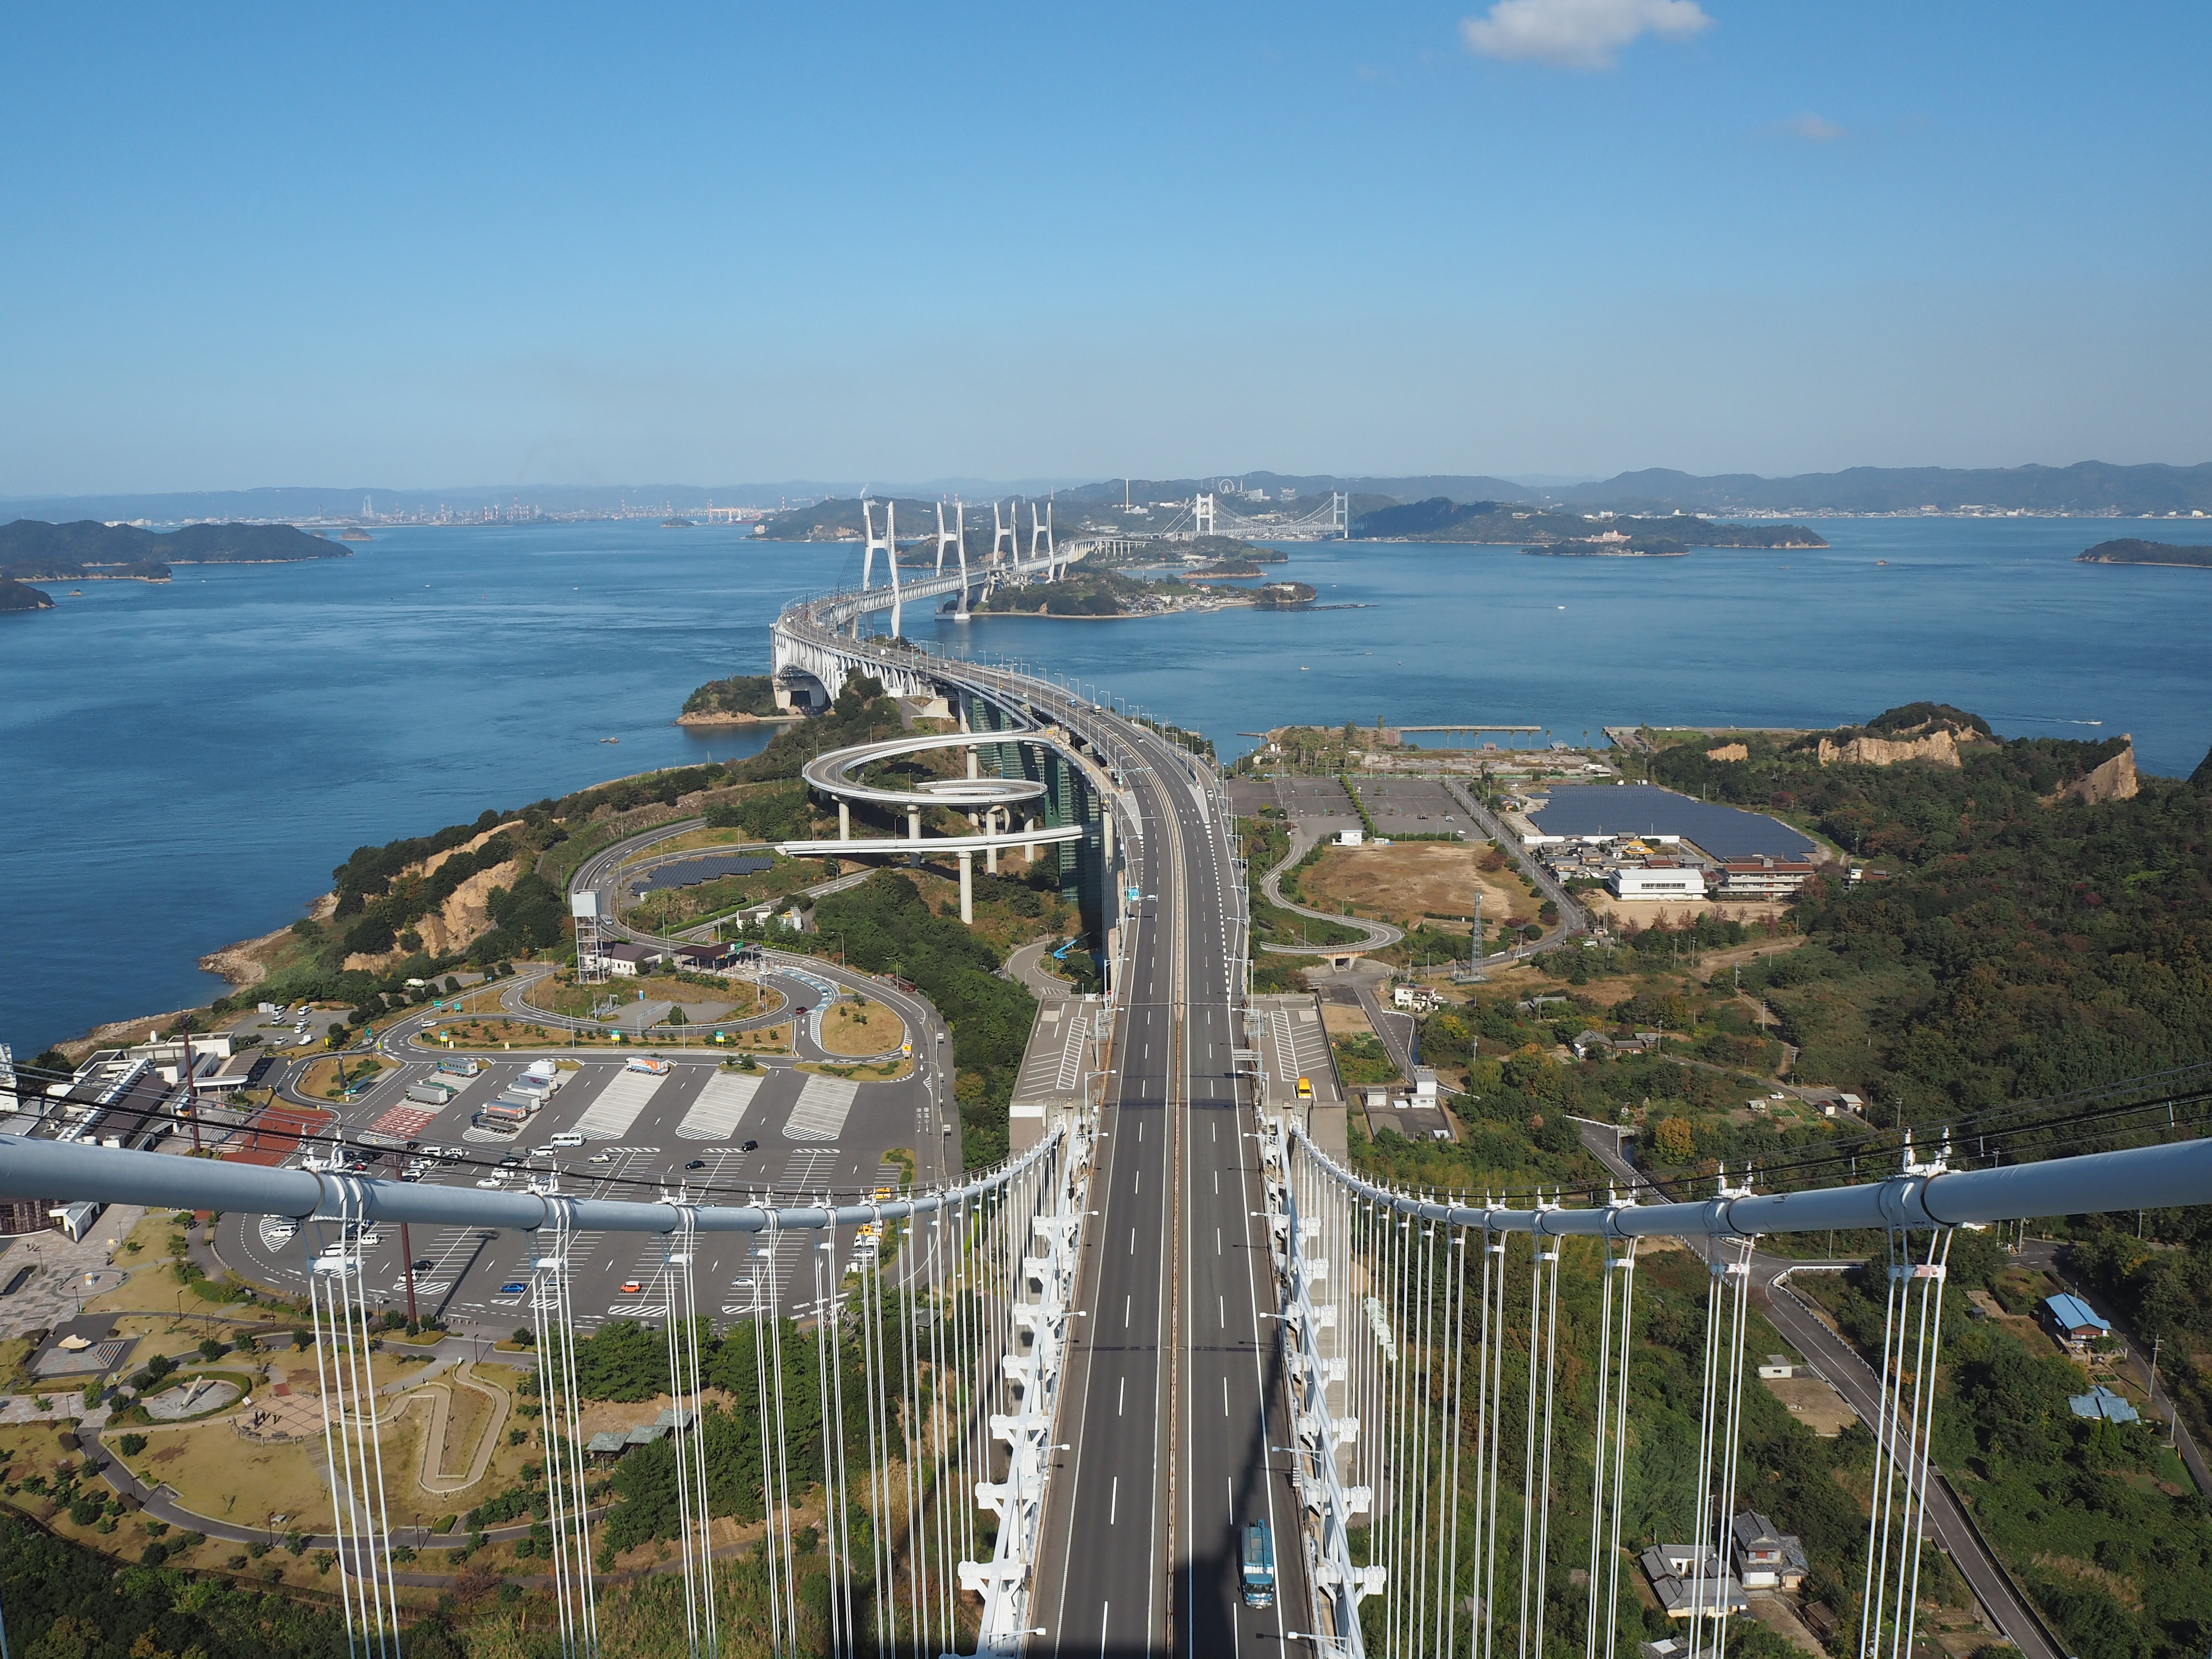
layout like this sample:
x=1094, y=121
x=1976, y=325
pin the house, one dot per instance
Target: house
x=1350, y=837
x=1691, y=1583
x=1587, y=1043
x=629, y=960
x=1419, y=998
x=2071, y=1321
x=1763, y=878
x=1765, y=1558
x=2100, y=1402
x=1661, y=878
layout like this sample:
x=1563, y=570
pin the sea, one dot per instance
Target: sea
x=184, y=765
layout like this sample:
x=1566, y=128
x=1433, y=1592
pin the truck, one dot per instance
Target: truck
x=432, y=1092
x=505, y=1115
x=463, y=1066
x=1259, y=1565
x=651, y=1064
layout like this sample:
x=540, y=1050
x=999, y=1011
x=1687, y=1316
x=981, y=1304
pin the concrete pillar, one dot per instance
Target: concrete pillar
x=1030, y=823
x=844, y=820
x=913, y=824
x=967, y=886
x=1106, y=828
x=973, y=770
x=991, y=853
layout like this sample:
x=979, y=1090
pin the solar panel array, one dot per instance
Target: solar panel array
x=689, y=872
x=1644, y=809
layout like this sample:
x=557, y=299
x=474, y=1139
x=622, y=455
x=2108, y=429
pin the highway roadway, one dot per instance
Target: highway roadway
x=1173, y=1399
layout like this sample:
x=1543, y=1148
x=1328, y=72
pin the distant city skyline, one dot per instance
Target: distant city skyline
x=1554, y=238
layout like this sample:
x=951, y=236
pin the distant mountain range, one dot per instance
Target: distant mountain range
x=2086, y=487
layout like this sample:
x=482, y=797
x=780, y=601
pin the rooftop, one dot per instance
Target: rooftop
x=1644, y=809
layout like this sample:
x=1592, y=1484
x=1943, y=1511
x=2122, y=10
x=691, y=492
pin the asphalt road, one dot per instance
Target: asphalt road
x=1174, y=1393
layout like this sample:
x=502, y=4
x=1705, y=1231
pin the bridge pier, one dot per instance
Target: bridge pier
x=968, y=886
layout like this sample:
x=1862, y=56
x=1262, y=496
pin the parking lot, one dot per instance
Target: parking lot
x=1412, y=807
x=723, y=1137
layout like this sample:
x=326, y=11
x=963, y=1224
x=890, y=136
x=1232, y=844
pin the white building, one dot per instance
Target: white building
x=1658, y=879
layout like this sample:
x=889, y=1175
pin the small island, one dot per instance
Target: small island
x=19, y=596
x=2129, y=550
x=740, y=699
x=1612, y=547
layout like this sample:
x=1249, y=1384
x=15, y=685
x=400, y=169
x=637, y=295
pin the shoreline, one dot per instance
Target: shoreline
x=737, y=719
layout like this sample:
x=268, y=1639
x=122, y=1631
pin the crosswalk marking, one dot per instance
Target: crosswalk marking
x=721, y=1106
x=820, y=1113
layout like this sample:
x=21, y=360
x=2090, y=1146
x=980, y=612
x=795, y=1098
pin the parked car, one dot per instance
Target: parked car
x=630, y=1288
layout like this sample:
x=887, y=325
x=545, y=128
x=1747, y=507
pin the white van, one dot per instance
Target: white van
x=567, y=1137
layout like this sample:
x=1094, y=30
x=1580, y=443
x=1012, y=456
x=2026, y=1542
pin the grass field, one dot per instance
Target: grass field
x=856, y=1027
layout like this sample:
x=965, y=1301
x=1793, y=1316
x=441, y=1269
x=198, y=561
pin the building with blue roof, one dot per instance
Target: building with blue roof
x=2072, y=1321
x=1578, y=812
x=2101, y=1403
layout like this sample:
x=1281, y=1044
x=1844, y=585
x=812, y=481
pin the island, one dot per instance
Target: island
x=2129, y=550
x=1439, y=519
x=740, y=699
x=1612, y=547
x=19, y=596
x=89, y=551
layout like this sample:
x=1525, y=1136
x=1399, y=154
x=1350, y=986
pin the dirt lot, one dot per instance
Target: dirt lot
x=1812, y=1403
x=1672, y=913
x=1404, y=881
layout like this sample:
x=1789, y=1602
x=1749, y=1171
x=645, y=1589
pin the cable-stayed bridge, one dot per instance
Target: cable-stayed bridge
x=1050, y=1402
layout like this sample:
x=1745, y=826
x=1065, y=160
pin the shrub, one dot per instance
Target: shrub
x=131, y=1444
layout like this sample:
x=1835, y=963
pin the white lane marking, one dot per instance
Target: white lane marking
x=1221, y=1313
x=1114, y=1502
x=1122, y=1398
x=1125, y=1313
x=1132, y=1241
x=1224, y=1402
x=1217, y=1235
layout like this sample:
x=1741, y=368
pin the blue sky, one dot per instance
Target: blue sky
x=414, y=246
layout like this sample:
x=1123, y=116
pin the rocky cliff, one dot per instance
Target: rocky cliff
x=1940, y=745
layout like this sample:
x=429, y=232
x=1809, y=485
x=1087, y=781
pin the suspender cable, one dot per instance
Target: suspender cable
x=1620, y=1448
x=1497, y=1446
x=1933, y=1272
x=1528, y=1455
x=1598, y=1470
x=1739, y=1275
x=1544, y=1482
x=829, y=1299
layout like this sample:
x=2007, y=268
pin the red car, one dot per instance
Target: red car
x=631, y=1287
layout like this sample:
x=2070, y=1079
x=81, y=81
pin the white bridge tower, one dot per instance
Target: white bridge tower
x=1201, y=515
x=889, y=543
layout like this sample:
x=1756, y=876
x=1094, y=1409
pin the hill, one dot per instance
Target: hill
x=30, y=548
x=14, y=596
x=1439, y=519
x=2130, y=550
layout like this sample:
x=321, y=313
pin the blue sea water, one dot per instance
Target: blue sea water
x=184, y=764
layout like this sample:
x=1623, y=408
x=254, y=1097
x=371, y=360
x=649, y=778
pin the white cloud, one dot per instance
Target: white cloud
x=1579, y=34
x=1816, y=128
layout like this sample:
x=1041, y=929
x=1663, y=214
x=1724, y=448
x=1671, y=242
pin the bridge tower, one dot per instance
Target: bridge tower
x=1339, y=516
x=1041, y=534
x=889, y=543
x=1007, y=535
x=1201, y=515
x=959, y=540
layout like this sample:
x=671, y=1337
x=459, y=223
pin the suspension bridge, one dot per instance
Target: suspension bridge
x=1055, y=1403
